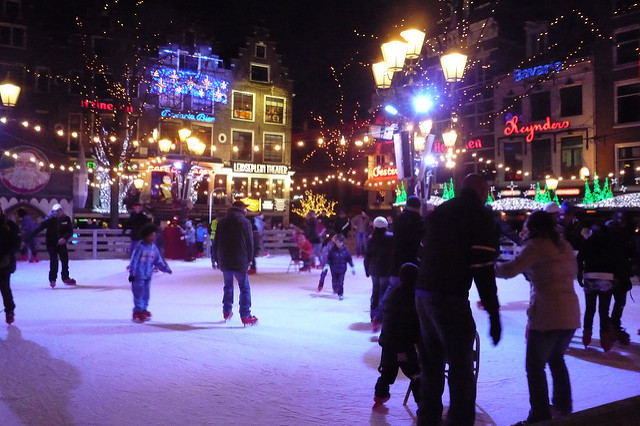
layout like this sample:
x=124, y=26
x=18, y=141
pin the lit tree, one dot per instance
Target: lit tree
x=315, y=202
x=588, y=195
x=597, y=193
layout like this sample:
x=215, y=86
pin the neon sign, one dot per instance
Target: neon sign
x=384, y=172
x=196, y=117
x=521, y=74
x=106, y=106
x=530, y=129
x=471, y=144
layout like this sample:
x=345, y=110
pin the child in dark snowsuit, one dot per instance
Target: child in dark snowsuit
x=399, y=336
x=337, y=259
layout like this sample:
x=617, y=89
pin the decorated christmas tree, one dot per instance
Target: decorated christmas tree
x=555, y=199
x=451, y=191
x=588, y=196
x=607, y=194
x=546, y=197
x=489, y=199
x=538, y=196
x=597, y=193
x=401, y=196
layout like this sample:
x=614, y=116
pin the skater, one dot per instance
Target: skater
x=377, y=264
x=459, y=247
x=337, y=259
x=306, y=251
x=201, y=235
x=232, y=251
x=399, y=337
x=361, y=224
x=327, y=245
x=311, y=233
x=59, y=231
x=342, y=225
x=137, y=219
x=144, y=259
x=10, y=237
x=407, y=232
x=554, y=313
x=597, y=261
x=189, y=235
x=29, y=251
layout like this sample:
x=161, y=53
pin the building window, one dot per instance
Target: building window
x=188, y=62
x=628, y=103
x=204, y=104
x=12, y=35
x=512, y=105
x=171, y=100
x=42, y=80
x=169, y=130
x=570, y=156
x=75, y=87
x=277, y=188
x=261, y=51
x=259, y=188
x=240, y=187
x=12, y=9
x=570, y=101
x=512, y=161
x=629, y=163
x=627, y=46
x=541, y=159
x=273, y=148
x=74, y=133
x=273, y=110
x=259, y=73
x=540, y=105
x=205, y=135
x=243, y=105
x=242, y=145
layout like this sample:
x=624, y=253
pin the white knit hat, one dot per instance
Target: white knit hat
x=56, y=207
x=380, y=222
x=551, y=207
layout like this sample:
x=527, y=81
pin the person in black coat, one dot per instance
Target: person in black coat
x=59, y=232
x=137, y=220
x=10, y=237
x=232, y=251
x=399, y=336
x=342, y=224
x=377, y=265
x=407, y=234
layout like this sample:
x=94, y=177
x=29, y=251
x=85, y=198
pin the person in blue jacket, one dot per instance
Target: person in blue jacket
x=337, y=259
x=144, y=258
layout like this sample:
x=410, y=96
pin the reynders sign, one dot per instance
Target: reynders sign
x=512, y=127
x=255, y=168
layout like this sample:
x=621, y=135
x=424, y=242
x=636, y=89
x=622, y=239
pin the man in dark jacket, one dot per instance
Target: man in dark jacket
x=232, y=250
x=407, y=233
x=10, y=237
x=59, y=231
x=459, y=246
x=342, y=225
x=137, y=220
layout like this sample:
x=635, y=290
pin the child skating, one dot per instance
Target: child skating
x=337, y=259
x=144, y=258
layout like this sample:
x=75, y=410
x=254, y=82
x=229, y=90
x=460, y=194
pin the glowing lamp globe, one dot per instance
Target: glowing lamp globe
x=552, y=183
x=415, y=39
x=394, y=54
x=164, y=145
x=381, y=75
x=453, y=66
x=184, y=134
x=195, y=146
x=9, y=92
x=449, y=138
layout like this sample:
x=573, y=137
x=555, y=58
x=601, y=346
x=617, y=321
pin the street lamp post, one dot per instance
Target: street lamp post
x=9, y=92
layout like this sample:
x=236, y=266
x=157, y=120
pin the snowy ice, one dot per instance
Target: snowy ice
x=74, y=357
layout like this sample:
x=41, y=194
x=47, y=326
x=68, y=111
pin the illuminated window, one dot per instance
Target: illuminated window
x=243, y=105
x=628, y=159
x=273, y=144
x=204, y=134
x=273, y=110
x=243, y=141
x=259, y=73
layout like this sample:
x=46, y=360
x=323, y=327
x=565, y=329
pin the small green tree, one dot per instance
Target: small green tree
x=588, y=195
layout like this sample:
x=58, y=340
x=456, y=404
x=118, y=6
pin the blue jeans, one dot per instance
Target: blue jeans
x=448, y=332
x=361, y=243
x=378, y=288
x=337, y=282
x=548, y=347
x=141, y=291
x=245, y=292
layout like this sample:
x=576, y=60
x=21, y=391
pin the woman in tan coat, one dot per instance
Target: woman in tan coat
x=549, y=263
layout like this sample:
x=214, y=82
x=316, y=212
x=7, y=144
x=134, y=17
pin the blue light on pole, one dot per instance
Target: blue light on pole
x=422, y=104
x=390, y=109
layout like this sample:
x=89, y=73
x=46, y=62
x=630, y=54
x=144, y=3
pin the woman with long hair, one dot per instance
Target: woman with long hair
x=549, y=263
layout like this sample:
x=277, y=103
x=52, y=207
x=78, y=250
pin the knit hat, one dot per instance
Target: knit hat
x=240, y=204
x=551, y=207
x=380, y=222
x=56, y=207
x=413, y=202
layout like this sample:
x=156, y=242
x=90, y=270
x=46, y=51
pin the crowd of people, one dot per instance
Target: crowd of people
x=422, y=266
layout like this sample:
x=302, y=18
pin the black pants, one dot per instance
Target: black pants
x=54, y=252
x=391, y=360
x=5, y=289
x=619, y=302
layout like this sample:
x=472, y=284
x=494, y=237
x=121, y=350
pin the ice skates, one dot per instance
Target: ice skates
x=147, y=315
x=606, y=340
x=69, y=281
x=250, y=320
x=621, y=336
x=9, y=316
x=34, y=259
x=227, y=316
x=586, y=337
x=52, y=284
x=139, y=317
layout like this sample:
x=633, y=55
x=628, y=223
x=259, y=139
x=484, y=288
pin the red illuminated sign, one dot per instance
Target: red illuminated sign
x=106, y=106
x=384, y=172
x=530, y=129
x=471, y=144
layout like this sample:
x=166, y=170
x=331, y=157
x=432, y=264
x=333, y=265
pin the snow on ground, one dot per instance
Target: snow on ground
x=74, y=357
